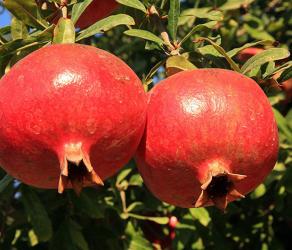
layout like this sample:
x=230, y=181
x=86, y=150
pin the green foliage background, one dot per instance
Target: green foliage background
x=124, y=214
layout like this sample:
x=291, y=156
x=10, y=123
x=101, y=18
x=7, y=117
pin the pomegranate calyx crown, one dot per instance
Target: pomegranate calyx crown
x=218, y=187
x=76, y=168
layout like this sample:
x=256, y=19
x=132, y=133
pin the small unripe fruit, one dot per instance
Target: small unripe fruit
x=210, y=138
x=71, y=115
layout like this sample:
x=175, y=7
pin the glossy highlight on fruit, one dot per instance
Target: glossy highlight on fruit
x=210, y=138
x=71, y=115
x=98, y=9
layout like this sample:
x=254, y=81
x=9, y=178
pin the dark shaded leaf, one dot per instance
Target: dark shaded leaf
x=37, y=214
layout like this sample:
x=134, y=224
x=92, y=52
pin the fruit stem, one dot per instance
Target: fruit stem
x=153, y=13
x=64, y=9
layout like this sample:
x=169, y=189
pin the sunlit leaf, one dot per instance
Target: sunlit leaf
x=261, y=58
x=64, y=31
x=105, y=25
x=136, y=4
x=26, y=11
x=173, y=15
x=144, y=34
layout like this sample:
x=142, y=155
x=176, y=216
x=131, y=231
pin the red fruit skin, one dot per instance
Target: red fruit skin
x=98, y=9
x=64, y=94
x=201, y=117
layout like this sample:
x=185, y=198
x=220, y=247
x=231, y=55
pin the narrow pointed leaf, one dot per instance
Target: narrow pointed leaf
x=105, y=25
x=234, y=4
x=173, y=16
x=144, y=34
x=235, y=51
x=37, y=214
x=159, y=220
x=26, y=11
x=264, y=57
x=18, y=29
x=208, y=25
x=232, y=64
x=136, y=4
x=78, y=9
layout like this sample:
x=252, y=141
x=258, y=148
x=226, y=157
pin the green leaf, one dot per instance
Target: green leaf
x=18, y=29
x=259, y=192
x=124, y=173
x=136, y=180
x=189, y=15
x=153, y=71
x=37, y=214
x=136, y=4
x=137, y=205
x=139, y=243
x=175, y=64
x=289, y=119
x=85, y=204
x=144, y=34
x=105, y=25
x=269, y=55
x=159, y=220
x=283, y=70
x=283, y=125
x=5, y=181
x=64, y=31
x=78, y=9
x=135, y=239
x=257, y=33
x=12, y=47
x=208, y=25
x=232, y=64
x=69, y=237
x=201, y=214
x=5, y=30
x=286, y=75
x=26, y=11
x=173, y=16
x=235, y=4
x=235, y=51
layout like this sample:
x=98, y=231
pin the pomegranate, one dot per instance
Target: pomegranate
x=210, y=138
x=71, y=115
x=97, y=10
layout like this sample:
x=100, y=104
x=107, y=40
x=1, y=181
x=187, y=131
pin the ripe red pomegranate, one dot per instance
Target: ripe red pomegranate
x=97, y=10
x=210, y=138
x=69, y=113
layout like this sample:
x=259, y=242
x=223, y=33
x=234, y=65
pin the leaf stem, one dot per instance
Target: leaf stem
x=64, y=9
